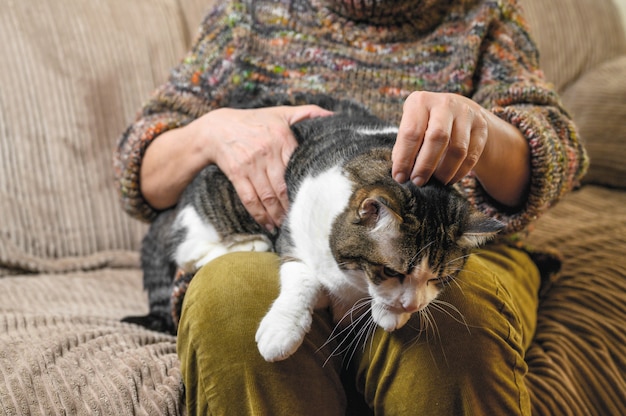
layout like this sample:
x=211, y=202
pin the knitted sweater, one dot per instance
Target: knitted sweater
x=376, y=54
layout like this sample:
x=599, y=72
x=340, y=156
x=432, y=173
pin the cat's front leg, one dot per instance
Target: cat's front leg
x=284, y=327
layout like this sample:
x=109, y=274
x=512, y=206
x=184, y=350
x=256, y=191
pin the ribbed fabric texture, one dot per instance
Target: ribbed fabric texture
x=64, y=350
x=577, y=360
x=598, y=103
x=71, y=80
x=583, y=45
x=587, y=63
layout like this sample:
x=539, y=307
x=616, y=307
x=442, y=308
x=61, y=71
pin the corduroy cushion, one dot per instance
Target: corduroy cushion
x=583, y=52
x=597, y=102
x=65, y=351
x=577, y=359
x=574, y=36
x=72, y=76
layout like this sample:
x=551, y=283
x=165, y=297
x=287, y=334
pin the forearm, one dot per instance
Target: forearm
x=170, y=163
x=504, y=167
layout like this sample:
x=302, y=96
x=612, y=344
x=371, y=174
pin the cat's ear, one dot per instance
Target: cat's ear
x=479, y=229
x=374, y=213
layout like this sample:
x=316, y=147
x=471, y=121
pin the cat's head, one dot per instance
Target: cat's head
x=408, y=242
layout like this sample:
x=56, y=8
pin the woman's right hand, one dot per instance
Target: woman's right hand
x=251, y=146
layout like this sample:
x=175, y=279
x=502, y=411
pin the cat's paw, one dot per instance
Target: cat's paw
x=280, y=334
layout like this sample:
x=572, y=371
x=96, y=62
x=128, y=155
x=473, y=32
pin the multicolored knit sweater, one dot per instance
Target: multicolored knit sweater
x=375, y=52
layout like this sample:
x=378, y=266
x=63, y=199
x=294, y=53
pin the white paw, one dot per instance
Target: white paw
x=206, y=251
x=280, y=334
x=258, y=245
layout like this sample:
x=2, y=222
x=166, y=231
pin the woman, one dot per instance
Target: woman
x=461, y=79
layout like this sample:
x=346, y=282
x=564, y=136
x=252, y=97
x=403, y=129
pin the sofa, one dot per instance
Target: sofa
x=73, y=73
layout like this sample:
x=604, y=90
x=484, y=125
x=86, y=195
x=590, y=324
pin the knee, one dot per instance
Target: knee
x=229, y=295
x=234, y=282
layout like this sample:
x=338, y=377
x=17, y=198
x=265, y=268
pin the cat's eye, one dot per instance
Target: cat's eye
x=389, y=272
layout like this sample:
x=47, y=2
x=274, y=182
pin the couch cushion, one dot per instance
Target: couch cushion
x=72, y=76
x=574, y=36
x=597, y=102
x=64, y=350
x=577, y=359
x=583, y=52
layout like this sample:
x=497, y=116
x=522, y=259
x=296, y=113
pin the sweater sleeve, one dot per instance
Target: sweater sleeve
x=195, y=86
x=512, y=86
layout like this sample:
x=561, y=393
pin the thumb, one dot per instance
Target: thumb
x=303, y=112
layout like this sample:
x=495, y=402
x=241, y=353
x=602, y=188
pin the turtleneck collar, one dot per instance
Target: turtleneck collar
x=421, y=15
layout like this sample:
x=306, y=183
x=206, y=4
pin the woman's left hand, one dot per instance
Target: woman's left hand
x=441, y=135
x=446, y=136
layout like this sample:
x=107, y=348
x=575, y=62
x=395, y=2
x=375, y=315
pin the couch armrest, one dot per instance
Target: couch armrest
x=597, y=102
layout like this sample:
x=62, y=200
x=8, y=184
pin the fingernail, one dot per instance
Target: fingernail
x=418, y=181
x=400, y=177
x=270, y=227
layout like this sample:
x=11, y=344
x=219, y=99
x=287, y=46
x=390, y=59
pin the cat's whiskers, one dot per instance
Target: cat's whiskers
x=451, y=276
x=355, y=316
x=347, y=346
x=433, y=324
x=457, y=282
x=450, y=310
x=365, y=332
x=341, y=328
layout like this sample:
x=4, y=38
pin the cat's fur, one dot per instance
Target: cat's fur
x=351, y=232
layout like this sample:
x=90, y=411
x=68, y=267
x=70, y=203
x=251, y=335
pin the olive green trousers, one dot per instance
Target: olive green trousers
x=468, y=360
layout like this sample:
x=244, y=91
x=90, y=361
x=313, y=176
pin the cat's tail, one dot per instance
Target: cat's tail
x=159, y=270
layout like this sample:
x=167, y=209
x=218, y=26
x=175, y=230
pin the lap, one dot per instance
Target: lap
x=476, y=337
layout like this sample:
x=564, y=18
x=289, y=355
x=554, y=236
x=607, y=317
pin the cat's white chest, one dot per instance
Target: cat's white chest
x=318, y=202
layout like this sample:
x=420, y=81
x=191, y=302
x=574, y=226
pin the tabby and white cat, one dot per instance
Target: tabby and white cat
x=351, y=232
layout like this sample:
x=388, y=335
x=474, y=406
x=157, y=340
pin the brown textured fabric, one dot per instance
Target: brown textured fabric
x=64, y=351
x=577, y=360
x=583, y=52
x=70, y=83
x=597, y=101
x=574, y=36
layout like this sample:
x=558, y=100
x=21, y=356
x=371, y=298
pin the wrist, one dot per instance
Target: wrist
x=171, y=162
x=503, y=169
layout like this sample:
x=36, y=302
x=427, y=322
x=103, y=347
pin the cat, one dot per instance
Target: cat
x=351, y=232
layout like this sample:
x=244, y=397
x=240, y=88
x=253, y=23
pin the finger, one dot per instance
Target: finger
x=276, y=177
x=409, y=140
x=477, y=145
x=436, y=140
x=251, y=201
x=298, y=113
x=269, y=200
x=457, y=150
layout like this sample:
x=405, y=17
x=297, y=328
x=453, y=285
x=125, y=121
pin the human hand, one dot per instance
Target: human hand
x=440, y=134
x=252, y=148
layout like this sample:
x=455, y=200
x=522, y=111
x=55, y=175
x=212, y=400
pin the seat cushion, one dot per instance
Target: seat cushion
x=577, y=359
x=64, y=349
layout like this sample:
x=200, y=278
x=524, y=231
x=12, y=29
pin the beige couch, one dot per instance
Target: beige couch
x=72, y=75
